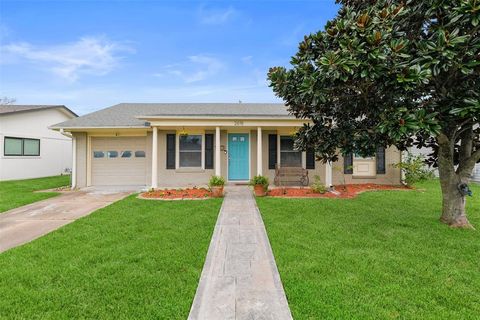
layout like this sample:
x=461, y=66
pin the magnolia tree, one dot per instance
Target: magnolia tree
x=393, y=73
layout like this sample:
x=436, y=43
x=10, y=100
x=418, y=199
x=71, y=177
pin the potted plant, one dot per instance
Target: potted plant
x=260, y=185
x=216, y=184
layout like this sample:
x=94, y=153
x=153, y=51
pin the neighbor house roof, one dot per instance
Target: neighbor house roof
x=15, y=108
x=137, y=114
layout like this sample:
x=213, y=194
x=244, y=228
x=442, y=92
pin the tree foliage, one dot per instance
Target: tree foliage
x=382, y=73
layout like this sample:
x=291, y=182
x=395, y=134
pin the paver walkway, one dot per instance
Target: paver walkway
x=23, y=224
x=240, y=279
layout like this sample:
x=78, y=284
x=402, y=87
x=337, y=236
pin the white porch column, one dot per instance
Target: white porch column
x=74, y=163
x=259, y=152
x=328, y=174
x=218, y=164
x=155, y=158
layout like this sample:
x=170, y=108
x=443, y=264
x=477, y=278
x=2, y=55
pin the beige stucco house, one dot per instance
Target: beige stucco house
x=29, y=149
x=172, y=145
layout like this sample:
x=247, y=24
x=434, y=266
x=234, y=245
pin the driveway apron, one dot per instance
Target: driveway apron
x=24, y=224
x=240, y=279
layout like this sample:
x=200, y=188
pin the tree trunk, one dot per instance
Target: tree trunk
x=453, y=204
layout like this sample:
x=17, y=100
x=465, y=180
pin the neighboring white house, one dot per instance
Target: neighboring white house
x=476, y=173
x=425, y=151
x=29, y=149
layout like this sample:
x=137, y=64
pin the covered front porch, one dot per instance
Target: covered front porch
x=189, y=151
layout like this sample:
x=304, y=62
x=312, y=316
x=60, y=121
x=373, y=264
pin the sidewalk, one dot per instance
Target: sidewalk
x=240, y=279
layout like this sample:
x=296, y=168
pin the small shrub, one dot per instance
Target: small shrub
x=216, y=181
x=260, y=180
x=317, y=186
x=415, y=169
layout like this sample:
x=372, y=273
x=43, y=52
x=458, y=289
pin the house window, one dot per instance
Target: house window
x=357, y=156
x=21, y=147
x=98, y=154
x=139, y=154
x=289, y=157
x=190, y=151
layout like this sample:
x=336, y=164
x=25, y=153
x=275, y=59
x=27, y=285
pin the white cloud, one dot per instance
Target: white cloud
x=216, y=16
x=195, y=68
x=247, y=60
x=88, y=55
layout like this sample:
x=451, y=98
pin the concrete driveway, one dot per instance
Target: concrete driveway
x=24, y=224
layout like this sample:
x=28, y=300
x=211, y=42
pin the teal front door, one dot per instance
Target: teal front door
x=238, y=162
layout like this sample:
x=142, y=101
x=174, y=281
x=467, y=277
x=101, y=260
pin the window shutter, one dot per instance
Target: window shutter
x=348, y=163
x=209, y=151
x=170, y=151
x=381, y=160
x=272, y=151
x=310, y=159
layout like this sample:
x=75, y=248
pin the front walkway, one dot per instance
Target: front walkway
x=240, y=279
x=24, y=224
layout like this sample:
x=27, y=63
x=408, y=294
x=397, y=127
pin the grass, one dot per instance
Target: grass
x=135, y=259
x=383, y=255
x=17, y=193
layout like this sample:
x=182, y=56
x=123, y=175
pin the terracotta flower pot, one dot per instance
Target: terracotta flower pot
x=217, y=192
x=259, y=190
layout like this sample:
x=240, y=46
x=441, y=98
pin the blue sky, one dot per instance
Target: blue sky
x=92, y=54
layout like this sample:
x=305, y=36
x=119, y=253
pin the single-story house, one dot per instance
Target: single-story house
x=184, y=144
x=29, y=149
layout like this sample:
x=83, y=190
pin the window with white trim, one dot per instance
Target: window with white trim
x=190, y=151
x=289, y=157
x=357, y=156
x=21, y=147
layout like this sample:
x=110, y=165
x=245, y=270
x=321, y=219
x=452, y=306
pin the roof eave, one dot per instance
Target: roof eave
x=97, y=127
x=64, y=108
x=216, y=117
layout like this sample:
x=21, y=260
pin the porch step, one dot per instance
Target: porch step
x=241, y=183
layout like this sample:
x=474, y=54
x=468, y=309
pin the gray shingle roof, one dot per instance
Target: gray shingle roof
x=124, y=114
x=15, y=108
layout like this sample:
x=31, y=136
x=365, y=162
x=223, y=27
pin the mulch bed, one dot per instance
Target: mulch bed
x=341, y=191
x=178, y=194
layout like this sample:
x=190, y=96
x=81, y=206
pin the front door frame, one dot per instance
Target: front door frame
x=249, y=153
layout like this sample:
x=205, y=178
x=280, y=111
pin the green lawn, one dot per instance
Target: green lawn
x=18, y=193
x=383, y=255
x=135, y=259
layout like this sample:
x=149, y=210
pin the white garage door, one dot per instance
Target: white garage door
x=118, y=161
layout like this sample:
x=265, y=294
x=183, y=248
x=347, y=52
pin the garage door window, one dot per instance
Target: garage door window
x=112, y=154
x=21, y=147
x=190, y=151
x=139, y=154
x=126, y=154
x=98, y=154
